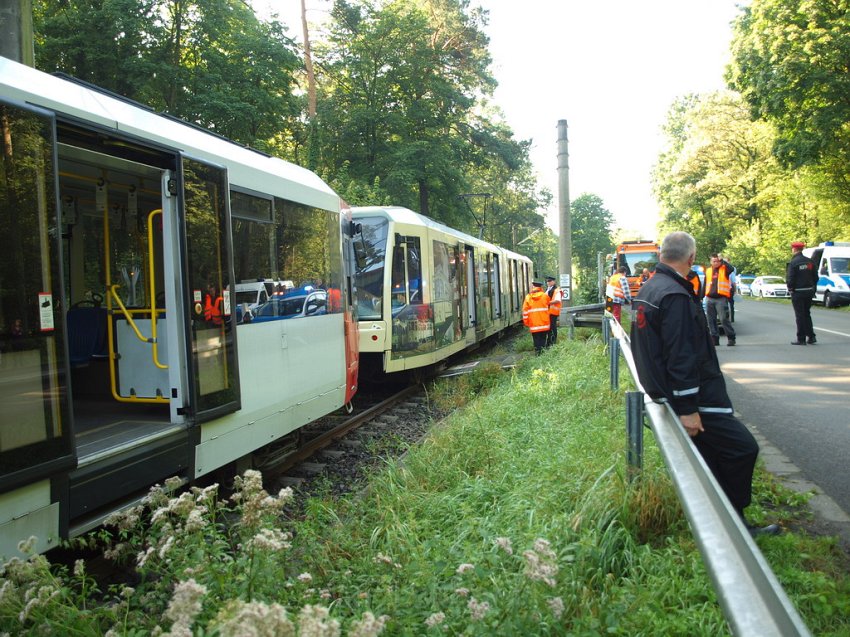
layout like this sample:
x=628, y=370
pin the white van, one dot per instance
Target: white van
x=832, y=261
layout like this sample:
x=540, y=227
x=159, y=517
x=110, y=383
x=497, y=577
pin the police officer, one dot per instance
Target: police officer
x=802, y=281
x=677, y=364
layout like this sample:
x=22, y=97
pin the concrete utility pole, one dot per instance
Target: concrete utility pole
x=565, y=252
x=16, y=38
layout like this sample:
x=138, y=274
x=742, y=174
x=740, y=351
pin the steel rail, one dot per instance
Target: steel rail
x=320, y=442
x=753, y=601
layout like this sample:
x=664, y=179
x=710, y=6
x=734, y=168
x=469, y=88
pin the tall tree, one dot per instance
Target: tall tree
x=591, y=225
x=717, y=176
x=790, y=62
x=212, y=63
x=399, y=104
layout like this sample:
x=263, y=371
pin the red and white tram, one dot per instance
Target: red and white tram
x=125, y=357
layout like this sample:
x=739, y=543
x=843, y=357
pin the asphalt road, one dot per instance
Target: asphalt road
x=797, y=397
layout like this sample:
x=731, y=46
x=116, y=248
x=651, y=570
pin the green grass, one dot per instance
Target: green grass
x=513, y=517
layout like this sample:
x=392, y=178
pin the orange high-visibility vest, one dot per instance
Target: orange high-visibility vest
x=615, y=287
x=724, y=286
x=535, y=311
x=555, y=302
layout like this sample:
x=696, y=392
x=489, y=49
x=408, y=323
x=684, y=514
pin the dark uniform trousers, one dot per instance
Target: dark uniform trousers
x=730, y=451
x=802, y=304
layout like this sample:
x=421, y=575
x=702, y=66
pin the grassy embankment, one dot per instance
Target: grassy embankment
x=513, y=517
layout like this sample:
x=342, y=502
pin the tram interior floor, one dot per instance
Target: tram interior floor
x=103, y=425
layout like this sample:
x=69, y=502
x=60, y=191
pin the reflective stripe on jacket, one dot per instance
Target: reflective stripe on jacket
x=535, y=311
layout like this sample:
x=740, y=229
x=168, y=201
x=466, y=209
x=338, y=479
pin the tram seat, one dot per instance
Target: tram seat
x=87, y=334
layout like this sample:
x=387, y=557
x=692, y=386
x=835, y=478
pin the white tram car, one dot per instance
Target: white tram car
x=426, y=291
x=123, y=359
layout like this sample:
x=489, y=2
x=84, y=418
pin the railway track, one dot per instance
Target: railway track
x=339, y=451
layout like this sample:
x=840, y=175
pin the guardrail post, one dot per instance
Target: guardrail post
x=614, y=353
x=634, y=426
x=606, y=330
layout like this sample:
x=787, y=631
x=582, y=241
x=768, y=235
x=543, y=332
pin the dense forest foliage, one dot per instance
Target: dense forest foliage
x=393, y=104
x=750, y=169
x=403, y=95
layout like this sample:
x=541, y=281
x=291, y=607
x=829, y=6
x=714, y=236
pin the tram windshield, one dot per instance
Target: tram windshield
x=370, y=251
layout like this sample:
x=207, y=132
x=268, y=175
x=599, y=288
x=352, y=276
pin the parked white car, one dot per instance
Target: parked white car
x=744, y=282
x=769, y=286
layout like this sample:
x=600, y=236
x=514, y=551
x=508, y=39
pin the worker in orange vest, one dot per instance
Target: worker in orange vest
x=212, y=306
x=535, y=315
x=618, y=291
x=719, y=290
x=554, y=294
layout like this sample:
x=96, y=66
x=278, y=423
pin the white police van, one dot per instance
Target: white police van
x=832, y=260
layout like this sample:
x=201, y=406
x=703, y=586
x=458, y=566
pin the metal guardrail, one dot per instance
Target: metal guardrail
x=584, y=316
x=751, y=597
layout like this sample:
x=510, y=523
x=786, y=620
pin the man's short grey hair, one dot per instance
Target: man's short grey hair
x=677, y=247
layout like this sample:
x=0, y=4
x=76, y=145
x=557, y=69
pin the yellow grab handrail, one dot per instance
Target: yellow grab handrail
x=152, y=280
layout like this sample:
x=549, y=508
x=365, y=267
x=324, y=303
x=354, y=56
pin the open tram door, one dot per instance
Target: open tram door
x=468, y=291
x=36, y=438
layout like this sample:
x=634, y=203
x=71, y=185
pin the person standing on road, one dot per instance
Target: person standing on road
x=554, y=294
x=677, y=364
x=619, y=293
x=535, y=315
x=802, y=282
x=718, y=292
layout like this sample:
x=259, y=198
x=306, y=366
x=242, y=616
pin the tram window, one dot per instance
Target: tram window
x=35, y=424
x=371, y=252
x=407, y=273
x=309, y=251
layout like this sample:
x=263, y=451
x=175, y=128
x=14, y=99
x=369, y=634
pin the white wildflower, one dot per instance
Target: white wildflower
x=143, y=556
x=368, y=626
x=254, y=619
x=79, y=568
x=305, y=578
x=27, y=546
x=478, y=609
x=556, y=605
x=435, y=619
x=504, y=543
x=314, y=621
x=270, y=540
x=463, y=592
x=464, y=568
x=185, y=605
x=195, y=520
x=544, y=549
x=538, y=569
x=166, y=547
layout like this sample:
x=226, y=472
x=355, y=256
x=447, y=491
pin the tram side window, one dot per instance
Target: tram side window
x=254, y=255
x=407, y=274
x=287, y=259
x=370, y=250
x=309, y=250
x=34, y=427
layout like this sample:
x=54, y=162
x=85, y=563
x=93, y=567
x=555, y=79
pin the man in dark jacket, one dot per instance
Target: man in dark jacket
x=802, y=281
x=677, y=364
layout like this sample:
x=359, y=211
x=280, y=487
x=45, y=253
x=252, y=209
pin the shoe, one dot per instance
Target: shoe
x=770, y=529
x=716, y=340
x=812, y=340
x=798, y=342
x=731, y=343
